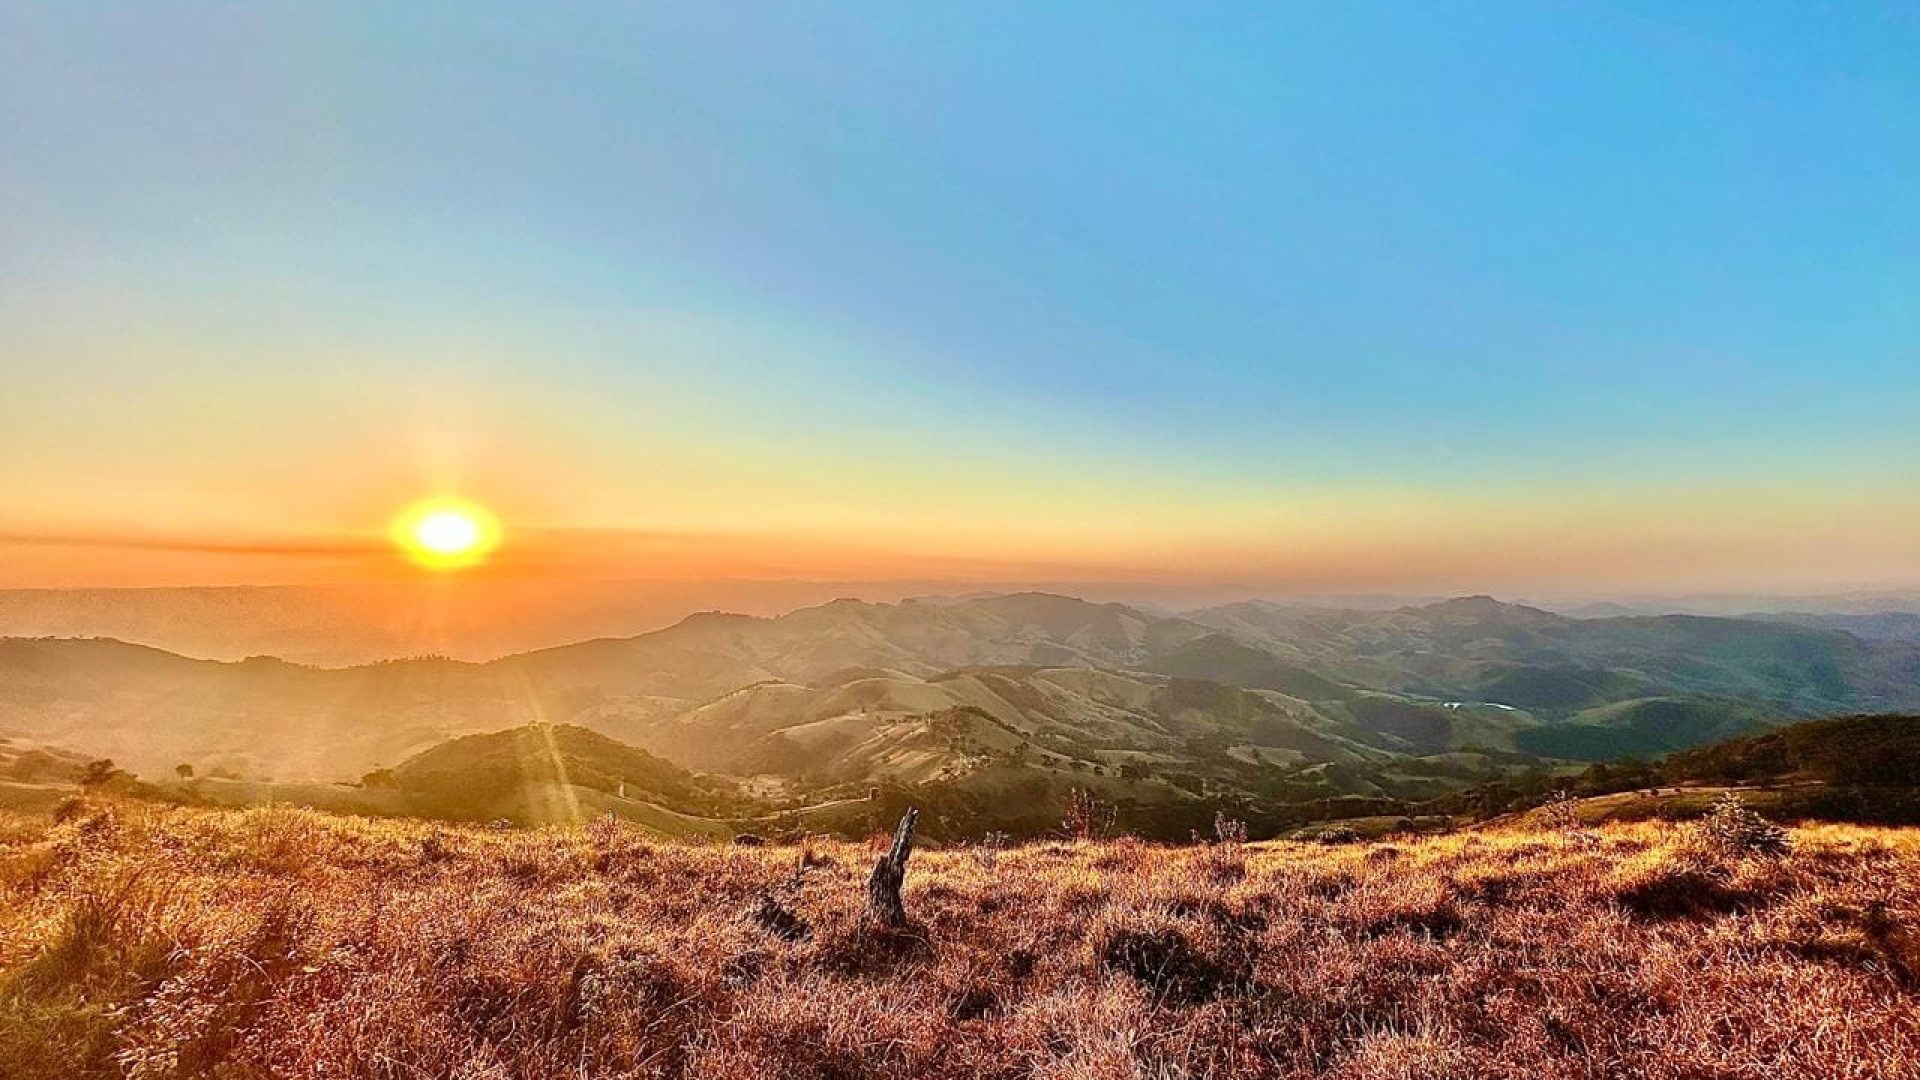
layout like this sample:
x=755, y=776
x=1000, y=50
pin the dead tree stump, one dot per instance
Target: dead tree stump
x=884, y=905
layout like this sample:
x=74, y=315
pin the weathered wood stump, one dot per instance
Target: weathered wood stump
x=884, y=905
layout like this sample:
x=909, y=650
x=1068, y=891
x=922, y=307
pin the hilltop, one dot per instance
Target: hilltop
x=276, y=942
x=540, y=774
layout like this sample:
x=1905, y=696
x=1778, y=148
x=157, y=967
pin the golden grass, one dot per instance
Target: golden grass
x=151, y=942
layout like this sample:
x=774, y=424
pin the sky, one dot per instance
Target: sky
x=1435, y=297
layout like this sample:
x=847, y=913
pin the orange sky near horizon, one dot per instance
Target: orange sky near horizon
x=1682, y=541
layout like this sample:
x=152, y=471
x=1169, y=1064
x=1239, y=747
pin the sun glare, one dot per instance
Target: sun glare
x=446, y=533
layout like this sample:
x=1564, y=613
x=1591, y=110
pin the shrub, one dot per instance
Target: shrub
x=780, y=921
x=69, y=808
x=99, y=773
x=1168, y=963
x=434, y=847
x=987, y=852
x=1087, y=818
x=1732, y=830
x=1560, y=813
x=1227, y=830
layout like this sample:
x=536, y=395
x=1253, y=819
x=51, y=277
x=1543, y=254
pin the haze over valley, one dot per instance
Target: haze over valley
x=1267, y=708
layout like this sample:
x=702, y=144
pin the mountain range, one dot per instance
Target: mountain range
x=338, y=625
x=1255, y=702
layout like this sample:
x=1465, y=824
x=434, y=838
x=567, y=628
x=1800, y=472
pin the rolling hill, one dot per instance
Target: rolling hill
x=1643, y=727
x=541, y=772
x=1251, y=700
x=150, y=710
x=1478, y=648
x=903, y=729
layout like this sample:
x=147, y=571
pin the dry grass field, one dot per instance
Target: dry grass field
x=143, y=941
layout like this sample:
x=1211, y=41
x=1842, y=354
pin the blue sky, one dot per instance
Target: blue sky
x=1063, y=264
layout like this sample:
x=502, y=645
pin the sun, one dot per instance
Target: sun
x=446, y=533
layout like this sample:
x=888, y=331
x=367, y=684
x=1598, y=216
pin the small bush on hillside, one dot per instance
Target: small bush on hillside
x=1167, y=963
x=99, y=773
x=1221, y=864
x=1227, y=830
x=780, y=921
x=1561, y=812
x=1087, y=818
x=1733, y=830
x=987, y=852
x=434, y=847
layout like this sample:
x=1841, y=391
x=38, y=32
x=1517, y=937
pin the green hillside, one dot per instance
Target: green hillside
x=1645, y=727
x=534, y=773
x=1862, y=750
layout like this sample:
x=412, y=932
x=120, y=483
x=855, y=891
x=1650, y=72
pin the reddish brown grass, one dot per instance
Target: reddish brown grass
x=145, y=942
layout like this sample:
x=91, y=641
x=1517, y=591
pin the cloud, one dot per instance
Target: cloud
x=324, y=547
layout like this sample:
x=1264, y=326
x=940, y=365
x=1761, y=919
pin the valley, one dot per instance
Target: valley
x=991, y=710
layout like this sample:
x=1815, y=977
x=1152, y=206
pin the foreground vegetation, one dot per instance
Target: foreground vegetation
x=151, y=941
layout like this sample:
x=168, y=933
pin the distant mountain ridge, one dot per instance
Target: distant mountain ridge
x=1901, y=626
x=1478, y=645
x=1267, y=700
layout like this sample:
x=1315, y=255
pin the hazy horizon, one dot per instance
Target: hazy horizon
x=334, y=625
